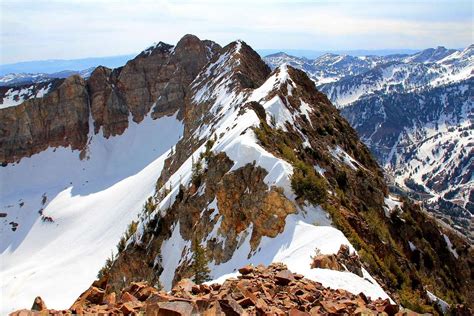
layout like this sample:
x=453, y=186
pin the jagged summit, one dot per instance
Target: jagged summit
x=237, y=67
x=155, y=48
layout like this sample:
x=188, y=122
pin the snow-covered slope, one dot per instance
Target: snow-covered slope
x=431, y=55
x=424, y=139
x=90, y=201
x=397, y=77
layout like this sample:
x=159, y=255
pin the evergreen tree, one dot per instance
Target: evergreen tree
x=199, y=264
x=106, y=268
x=196, y=172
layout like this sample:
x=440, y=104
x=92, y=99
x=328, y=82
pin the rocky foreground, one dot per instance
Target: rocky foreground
x=272, y=290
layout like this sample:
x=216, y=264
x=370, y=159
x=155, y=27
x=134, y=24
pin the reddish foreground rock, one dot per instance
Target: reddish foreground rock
x=272, y=290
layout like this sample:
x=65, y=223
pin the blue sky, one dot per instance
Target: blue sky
x=37, y=29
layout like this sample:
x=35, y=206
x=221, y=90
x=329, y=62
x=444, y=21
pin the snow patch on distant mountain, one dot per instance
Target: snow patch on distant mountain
x=346, y=79
x=424, y=139
x=17, y=95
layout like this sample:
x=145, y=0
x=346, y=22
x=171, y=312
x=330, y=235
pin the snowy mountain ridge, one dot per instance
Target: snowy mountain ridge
x=346, y=78
x=206, y=147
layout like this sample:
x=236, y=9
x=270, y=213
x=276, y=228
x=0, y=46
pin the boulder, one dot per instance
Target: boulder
x=184, y=285
x=246, y=270
x=178, y=308
x=145, y=292
x=230, y=307
x=326, y=262
x=284, y=277
x=127, y=297
x=296, y=312
x=110, y=299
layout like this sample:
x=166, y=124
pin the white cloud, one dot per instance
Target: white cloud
x=68, y=29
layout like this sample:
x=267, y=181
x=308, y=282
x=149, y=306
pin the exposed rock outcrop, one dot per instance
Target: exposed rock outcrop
x=242, y=200
x=344, y=260
x=39, y=305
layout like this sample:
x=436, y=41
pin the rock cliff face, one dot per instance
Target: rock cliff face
x=59, y=119
x=158, y=77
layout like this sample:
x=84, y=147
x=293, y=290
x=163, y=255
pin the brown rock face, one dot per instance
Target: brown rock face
x=58, y=119
x=326, y=262
x=160, y=75
x=243, y=199
x=343, y=260
x=187, y=60
x=109, y=109
x=142, y=77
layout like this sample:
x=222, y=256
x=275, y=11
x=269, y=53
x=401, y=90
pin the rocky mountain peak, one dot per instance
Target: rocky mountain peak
x=279, y=54
x=235, y=68
x=431, y=55
x=188, y=40
x=251, y=71
x=192, y=53
x=158, y=48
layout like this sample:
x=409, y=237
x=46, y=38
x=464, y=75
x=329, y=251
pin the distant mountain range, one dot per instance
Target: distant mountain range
x=353, y=52
x=59, y=65
x=15, y=79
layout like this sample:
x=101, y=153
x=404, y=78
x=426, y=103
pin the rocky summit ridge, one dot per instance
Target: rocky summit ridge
x=272, y=290
x=263, y=169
